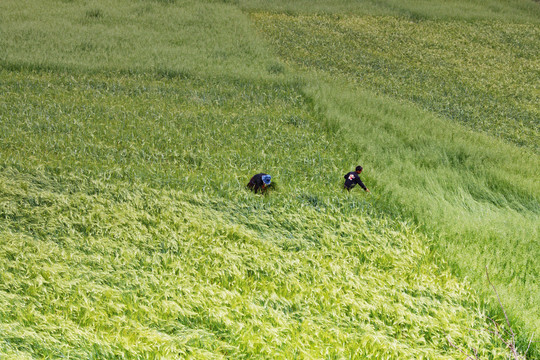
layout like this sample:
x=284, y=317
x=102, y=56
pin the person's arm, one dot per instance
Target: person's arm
x=359, y=182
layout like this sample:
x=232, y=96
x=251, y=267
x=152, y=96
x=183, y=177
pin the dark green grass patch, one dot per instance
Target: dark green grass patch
x=511, y=11
x=171, y=132
x=481, y=74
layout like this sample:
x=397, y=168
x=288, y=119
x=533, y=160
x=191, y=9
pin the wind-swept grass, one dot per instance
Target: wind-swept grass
x=510, y=11
x=126, y=230
x=129, y=131
x=135, y=272
x=481, y=196
x=481, y=74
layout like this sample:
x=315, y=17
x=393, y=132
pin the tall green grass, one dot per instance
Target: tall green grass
x=509, y=11
x=128, y=133
x=195, y=37
x=478, y=194
x=127, y=231
x=481, y=197
x=480, y=74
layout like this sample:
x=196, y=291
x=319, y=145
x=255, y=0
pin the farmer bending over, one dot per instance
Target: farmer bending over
x=353, y=178
x=259, y=182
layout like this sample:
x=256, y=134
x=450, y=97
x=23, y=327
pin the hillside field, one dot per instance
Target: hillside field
x=129, y=131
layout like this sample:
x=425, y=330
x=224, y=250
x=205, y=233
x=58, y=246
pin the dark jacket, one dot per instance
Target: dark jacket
x=351, y=179
x=256, y=183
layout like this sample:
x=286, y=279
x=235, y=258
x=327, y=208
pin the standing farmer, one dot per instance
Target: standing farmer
x=259, y=182
x=353, y=178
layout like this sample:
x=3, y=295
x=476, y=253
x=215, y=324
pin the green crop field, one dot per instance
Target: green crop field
x=480, y=75
x=130, y=129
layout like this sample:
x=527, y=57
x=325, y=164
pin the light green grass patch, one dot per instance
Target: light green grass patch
x=480, y=198
x=109, y=269
x=177, y=38
x=127, y=231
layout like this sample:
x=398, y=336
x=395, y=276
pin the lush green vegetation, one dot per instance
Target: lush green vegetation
x=479, y=195
x=127, y=231
x=456, y=185
x=508, y=11
x=91, y=36
x=477, y=74
x=129, y=131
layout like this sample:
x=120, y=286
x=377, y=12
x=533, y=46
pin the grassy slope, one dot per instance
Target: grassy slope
x=118, y=241
x=478, y=74
x=96, y=36
x=516, y=11
x=480, y=195
x=125, y=226
x=445, y=188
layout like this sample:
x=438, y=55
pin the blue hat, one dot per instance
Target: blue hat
x=266, y=179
